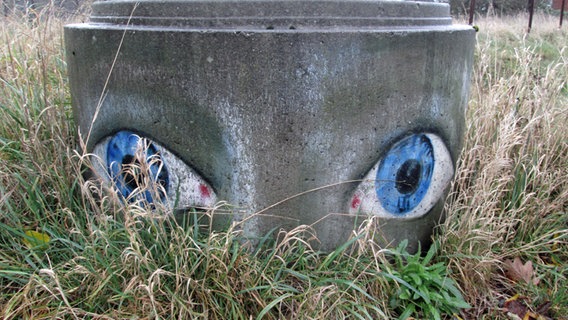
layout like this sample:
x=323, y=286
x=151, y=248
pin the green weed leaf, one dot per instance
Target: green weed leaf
x=36, y=240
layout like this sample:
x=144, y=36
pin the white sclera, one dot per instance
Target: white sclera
x=186, y=189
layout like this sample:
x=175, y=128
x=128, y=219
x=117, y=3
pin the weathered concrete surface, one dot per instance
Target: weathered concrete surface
x=267, y=100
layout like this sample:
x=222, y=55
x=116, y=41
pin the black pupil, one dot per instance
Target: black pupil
x=132, y=172
x=408, y=176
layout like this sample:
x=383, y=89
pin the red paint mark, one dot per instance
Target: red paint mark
x=204, y=190
x=355, y=202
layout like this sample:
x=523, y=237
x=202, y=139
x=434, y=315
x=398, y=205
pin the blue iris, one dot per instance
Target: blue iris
x=124, y=167
x=405, y=173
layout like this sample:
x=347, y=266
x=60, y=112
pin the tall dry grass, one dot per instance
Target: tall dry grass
x=509, y=199
x=510, y=195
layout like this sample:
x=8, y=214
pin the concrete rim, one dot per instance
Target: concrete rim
x=272, y=14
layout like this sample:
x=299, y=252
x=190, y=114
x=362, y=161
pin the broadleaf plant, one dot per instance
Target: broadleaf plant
x=424, y=289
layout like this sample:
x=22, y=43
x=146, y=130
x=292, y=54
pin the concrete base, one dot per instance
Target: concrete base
x=281, y=121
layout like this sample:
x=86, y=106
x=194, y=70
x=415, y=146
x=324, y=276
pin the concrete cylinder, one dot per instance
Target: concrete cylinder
x=319, y=113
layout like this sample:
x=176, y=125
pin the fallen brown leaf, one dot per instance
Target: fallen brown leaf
x=516, y=306
x=544, y=307
x=516, y=271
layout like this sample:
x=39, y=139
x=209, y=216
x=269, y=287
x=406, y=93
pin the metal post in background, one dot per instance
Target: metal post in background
x=471, y=11
x=531, y=11
x=562, y=12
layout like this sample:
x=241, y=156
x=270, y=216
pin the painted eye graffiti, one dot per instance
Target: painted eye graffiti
x=143, y=170
x=408, y=181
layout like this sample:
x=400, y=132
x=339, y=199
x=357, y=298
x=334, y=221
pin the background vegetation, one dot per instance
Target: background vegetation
x=497, y=7
x=502, y=252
